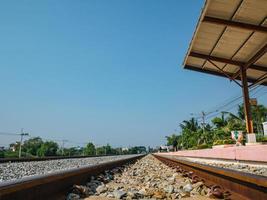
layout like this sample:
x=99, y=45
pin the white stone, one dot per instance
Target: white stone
x=118, y=194
x=265, y=128
x=188, y=187
x=101, y=189
x=251, y=138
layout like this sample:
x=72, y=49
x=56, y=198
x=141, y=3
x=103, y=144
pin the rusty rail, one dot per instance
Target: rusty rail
x=30, y=159
x=54, y=185
x=224, y=183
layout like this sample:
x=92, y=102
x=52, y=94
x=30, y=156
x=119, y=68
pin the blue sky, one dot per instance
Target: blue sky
x=107, y=71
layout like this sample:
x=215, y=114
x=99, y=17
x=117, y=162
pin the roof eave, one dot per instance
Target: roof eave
x=203, y=11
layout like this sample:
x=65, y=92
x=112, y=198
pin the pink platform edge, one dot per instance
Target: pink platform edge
x=247, y=153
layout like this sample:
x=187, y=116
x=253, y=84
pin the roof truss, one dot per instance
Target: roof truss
x=226, y=61
x=217, y=73
x=250, y=27
x=219, y=21
x=254, y=59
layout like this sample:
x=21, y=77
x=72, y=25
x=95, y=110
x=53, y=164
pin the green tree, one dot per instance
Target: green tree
x=48, y=148
x=219, y=122
x=32, y=145
x=193, y=136
x=109, y=150
x=258, y=114
x=190, y=125
x=90, y=149
x=101, y=150
x=2, y=154
x=137, y=150
x=72, y=151
x=173, y=140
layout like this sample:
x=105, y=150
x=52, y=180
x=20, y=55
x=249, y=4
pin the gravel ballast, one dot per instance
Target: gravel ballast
x=253, y=168
x=147, y=178
x=18, y=170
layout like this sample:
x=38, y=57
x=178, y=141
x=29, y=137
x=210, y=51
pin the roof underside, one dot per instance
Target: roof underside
x=230, y=34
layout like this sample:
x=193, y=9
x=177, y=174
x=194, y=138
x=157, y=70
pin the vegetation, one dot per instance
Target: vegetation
x=36, y=147
x=90, y=149
x=48, y=149
x=196, y=136
x=32, y=145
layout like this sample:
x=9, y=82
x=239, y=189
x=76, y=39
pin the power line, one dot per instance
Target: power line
x=215, y=109
x=239, y=102
x=227, y=105
x=236, y=99
x=12, y=134
x=45, y=139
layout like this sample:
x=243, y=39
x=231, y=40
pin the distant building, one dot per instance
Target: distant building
x=14, y=146
x=165, y=148
x=125, y=149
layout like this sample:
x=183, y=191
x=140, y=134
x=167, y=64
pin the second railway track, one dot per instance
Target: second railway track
x=224, y=183
x=55, y=185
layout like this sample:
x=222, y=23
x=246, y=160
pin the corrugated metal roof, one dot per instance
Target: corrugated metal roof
x=230, y=34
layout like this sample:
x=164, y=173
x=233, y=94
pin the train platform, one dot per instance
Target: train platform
x=254, y=153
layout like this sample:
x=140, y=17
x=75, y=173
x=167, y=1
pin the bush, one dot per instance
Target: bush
x=192, y=148
x=228, y=141
x=203, y=146
x=261, y=138
x=32, y=145
x=48, y=149
x=221, y=142
x=11, y=154
x=90, y=149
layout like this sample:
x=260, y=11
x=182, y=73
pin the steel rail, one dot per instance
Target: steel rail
x=224, y=159
x=55, y=185
x=224, y=183
x=29, y=159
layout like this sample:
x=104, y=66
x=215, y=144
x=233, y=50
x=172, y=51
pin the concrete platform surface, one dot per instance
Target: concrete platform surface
x=256, y=153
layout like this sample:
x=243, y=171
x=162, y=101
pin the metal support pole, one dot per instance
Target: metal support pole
x=21, y=140
x=63, y=145
x=203, y=121
x=20, y=144
x=247, y=110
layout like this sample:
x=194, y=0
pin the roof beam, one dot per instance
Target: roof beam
x=259, y=80
x=217, y=73
x=227, y=61
x=250, y=27
x=226, y=74
x=198, y=69
x=252, y=60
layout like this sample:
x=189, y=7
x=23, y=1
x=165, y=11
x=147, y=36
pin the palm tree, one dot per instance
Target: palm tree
x=190, y=125
x=258, y=114
x=234, y=122
x=240, y=112
x=219, y=122
x=173, y=140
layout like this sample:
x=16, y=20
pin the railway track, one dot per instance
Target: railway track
x=224, y=183
x=54, y=185
x=221, y=183
x=30, y=159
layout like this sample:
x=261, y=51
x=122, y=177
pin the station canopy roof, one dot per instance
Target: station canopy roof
x=230, y=34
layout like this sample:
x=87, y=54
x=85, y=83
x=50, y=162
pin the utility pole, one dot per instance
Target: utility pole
x=21, y=140
x=62, y=149
x=203, y=115
x=96, y=147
